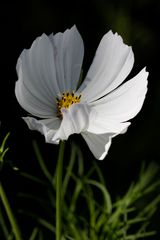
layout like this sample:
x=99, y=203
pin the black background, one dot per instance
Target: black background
x=138, y=23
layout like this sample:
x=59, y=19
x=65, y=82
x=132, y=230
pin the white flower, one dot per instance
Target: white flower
x=48, y=75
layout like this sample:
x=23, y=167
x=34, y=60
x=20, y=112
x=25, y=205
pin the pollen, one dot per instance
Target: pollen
x=66, y=100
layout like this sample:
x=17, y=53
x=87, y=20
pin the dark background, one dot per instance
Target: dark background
x=137, y=21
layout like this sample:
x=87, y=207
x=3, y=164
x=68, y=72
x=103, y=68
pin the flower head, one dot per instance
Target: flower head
x=48, y=76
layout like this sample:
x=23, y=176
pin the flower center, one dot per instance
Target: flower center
x=66, y=101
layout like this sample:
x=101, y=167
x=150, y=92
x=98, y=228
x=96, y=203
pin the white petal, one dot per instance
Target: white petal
x=111, y=65
x=69, y=51
x=36, y=106
x=100, y=124
x=36, y=85
x=42, y=70
x=125, y=102
x=38, y=70
x=75, y=120
x=98, y=144
x=47, y=127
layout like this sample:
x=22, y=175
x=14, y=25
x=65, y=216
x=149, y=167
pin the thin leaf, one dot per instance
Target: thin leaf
x=40, y=220
x=107, y=198
x=34, y=234
x=41, y=161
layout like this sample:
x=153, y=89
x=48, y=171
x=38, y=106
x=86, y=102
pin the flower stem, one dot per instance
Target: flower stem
x=59, y=190
x=10, y=215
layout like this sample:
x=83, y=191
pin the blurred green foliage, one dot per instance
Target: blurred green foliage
x=88, y=211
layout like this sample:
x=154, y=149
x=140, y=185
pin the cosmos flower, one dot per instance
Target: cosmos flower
x=48, y=76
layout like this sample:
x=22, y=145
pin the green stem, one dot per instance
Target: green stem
x=4, y=227
x=59, y=190
x=41, y=161
x=10, y=215
x=69, y=169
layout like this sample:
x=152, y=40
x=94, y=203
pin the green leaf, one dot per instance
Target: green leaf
x=106, y=195
x=41, y=161
x=34, y=234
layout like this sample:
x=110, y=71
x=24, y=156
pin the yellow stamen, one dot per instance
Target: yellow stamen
x=66, y=101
